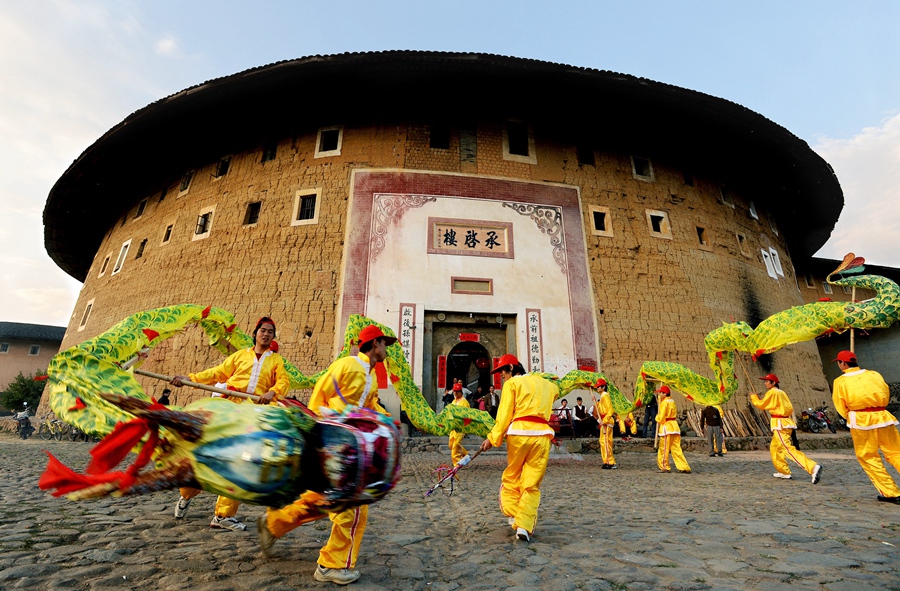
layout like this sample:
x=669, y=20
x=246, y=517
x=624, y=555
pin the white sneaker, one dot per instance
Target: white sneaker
x=227, y=523
x=341, y=576
x=523, y=535
x=816, y=474
x=181, y=507
x=780, y=475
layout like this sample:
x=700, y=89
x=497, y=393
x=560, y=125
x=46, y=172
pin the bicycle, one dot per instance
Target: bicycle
x=51, y=428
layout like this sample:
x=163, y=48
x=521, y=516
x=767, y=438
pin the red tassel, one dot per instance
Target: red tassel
x=718, y=355
x=64, y=480
x=40, y=378
x=638, y=404
x=466, y=422
x=108, y=453
x=79, y=405
x=150, y=334
x=205, y=312
x=229, y=329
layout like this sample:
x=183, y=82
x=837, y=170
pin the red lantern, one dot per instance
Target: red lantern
x=482, y=363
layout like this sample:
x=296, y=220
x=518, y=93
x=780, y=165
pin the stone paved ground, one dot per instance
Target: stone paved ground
x=729, y=525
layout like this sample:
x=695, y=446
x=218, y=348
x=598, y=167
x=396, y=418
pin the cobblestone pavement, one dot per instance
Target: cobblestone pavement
x=728, y=525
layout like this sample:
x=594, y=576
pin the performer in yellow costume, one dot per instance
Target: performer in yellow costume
x=257, y=370
x=526, y=402
x=669, y=435
x=603, y=412
x=779, y=406
x=861, y=396
x=627, y=424
x=355, y=378
x=457, y=451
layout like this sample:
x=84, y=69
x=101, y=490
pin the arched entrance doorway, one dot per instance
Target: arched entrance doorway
x=471, y=363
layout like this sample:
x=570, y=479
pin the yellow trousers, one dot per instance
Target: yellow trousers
x=225, y=507
x=457, y=451
x=606, y=444
x=520, y=488
x=781, y=448
x=671, y=444
x=347, y=528
x=866, y=445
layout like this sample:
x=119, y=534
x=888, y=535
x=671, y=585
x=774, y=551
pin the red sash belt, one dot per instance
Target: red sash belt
x=781, y=416
x=871, y=409
x=533, y=419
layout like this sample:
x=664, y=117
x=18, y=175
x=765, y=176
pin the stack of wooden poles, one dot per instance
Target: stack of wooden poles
x=747, y=422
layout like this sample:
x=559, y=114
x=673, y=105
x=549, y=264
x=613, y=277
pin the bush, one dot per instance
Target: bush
x=23, y=389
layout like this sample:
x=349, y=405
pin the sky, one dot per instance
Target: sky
x=828, y=71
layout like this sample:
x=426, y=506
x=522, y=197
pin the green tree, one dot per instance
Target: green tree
x=23, y=389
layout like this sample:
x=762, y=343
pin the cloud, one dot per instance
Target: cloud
x=167, y=46
x=868, y=168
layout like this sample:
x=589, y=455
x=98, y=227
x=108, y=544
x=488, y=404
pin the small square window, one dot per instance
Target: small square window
x=518, y=138
x=4, y=347
x=329, y=141
x=753, y=213
x=34, y=350
x=222, y=167
x=770, y=268
x=585, y=154
x=658, y=222
x=776, y=261
x=440, y=136
x=742, y=244
x=204, y=223
x=826, y=287
x=140, y=210
x=86, y=315
x=518, y=142
x=104, y=265
x=601, y=223
x=140, y=251
x=703, y=238
x=251, y=217
x=167, y=234
x=642, y=168
x=306, y=207
x=772, y=224
x=270, y=150
x=123, y=252
x=725, y=195
x=810, y=282
x=185, y=183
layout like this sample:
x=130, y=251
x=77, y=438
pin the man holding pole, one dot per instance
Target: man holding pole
x=523, y=419
x=348, y=381
x=256, y=370
x=861, y=396
x=603, y=412
x=669, y=432
x=457, y=451
x=780, y=409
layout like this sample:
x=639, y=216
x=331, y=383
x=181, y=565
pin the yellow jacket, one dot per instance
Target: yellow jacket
x=666, y=418
x=243, y=372
x=860, y=389
x=356, y=380
x=524, y=396
x=604, y=409
x=779, y=406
